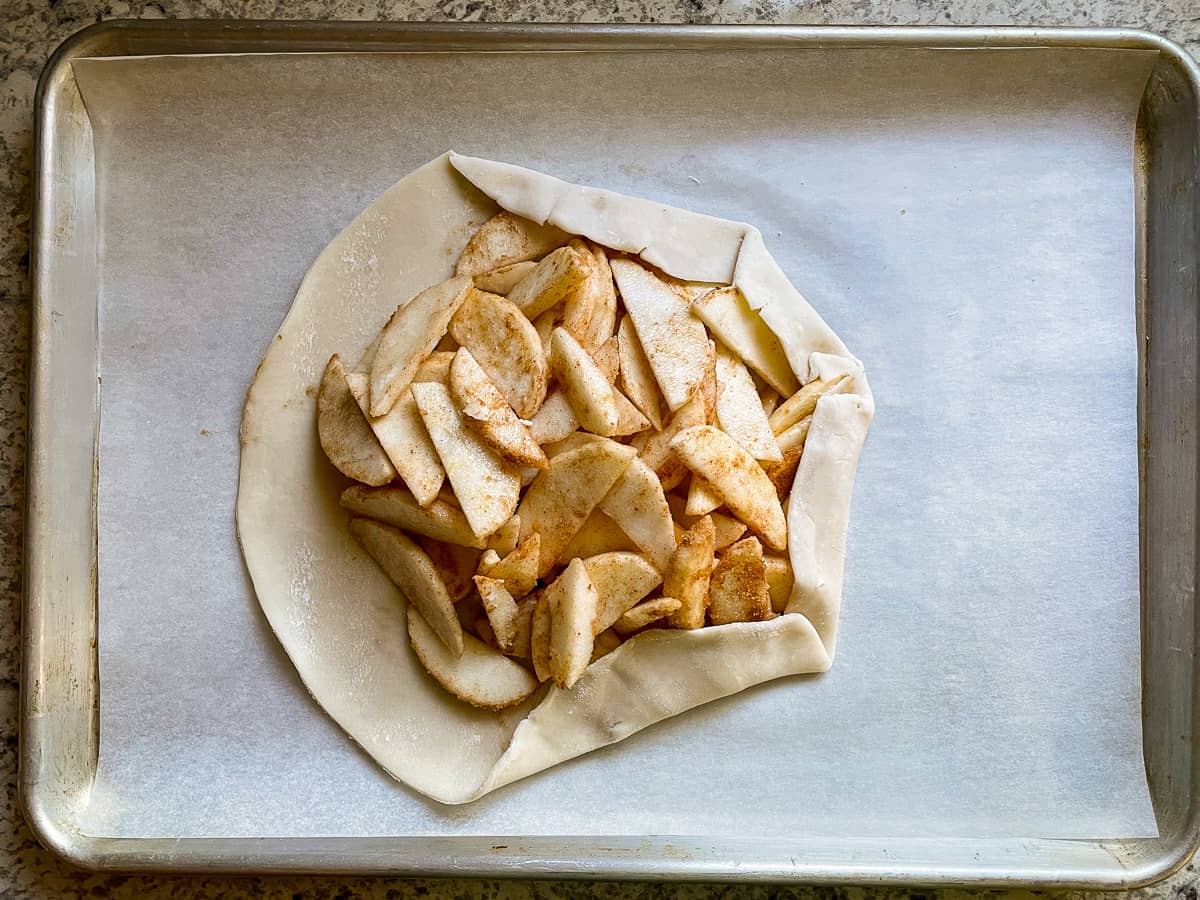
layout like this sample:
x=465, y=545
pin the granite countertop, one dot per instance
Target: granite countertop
x=29, y=32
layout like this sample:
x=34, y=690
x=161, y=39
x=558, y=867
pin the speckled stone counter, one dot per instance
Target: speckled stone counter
x=29, y=32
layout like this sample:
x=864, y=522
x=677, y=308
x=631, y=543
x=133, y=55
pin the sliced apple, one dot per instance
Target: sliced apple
x=637, y=380
x=501, y=610
x=411, y=570
x=455, y=565
x=505, y=239
x=791, y=443
x=488, y=413
x=551, y=281
x=572, y=441
x=599, y=534
x=743, y=331
x=604, y=312
x=726, y=530
x=702, y=498
x=435, y=367
x=345, y=434
x=503, y=279
x=607, y=358
x=638, y=505
x=488, y=488
x=409, y=336
x=779, y=581
x=584, y=383
x=523, y=631
x=621, y=580
x=674, y=341
x=555, y=421
x=687, y=575
x=403, y=437
x=629, y=418
x=646, y=613
x=504, y=539
x=589, y=312
x=480, y=676
x=396, y=506
x=803, y=403
x=737, y=477
x=655, y=447
x=739, y=409
x=738, y=590
x=559, y=501
x=506, y=346
x=580, y=304
x=519, y=569
x=574, y=603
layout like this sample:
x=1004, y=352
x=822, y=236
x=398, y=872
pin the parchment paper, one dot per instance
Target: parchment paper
x=963, y=220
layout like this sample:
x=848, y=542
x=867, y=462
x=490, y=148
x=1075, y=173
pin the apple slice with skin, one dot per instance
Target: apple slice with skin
x=480, y=676
x=411, y=570
x=344, y=432
x=488, y=489
x=409, y=336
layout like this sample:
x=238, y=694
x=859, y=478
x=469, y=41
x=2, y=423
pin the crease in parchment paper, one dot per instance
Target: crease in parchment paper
x=963, y=221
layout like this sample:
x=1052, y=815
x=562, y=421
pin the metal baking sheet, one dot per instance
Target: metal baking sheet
x=156, y=731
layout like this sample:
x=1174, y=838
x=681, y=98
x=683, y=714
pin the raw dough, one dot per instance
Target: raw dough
x=341, y=620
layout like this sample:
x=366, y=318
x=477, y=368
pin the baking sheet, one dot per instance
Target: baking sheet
x=964, y=220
